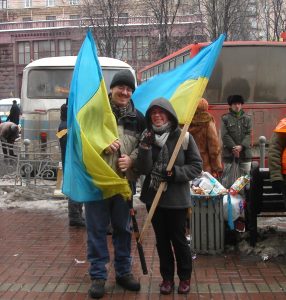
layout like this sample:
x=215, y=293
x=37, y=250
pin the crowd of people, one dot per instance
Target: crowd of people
x=144, y=147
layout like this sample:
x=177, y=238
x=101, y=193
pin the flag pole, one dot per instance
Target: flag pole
x=163, y=184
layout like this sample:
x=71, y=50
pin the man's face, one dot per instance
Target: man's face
x=236, y=106
x=121, y=95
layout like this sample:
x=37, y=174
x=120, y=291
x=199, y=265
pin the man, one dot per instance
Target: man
x=120, y=155
x=74, y=208
x=277, y=158
x=235, y=133
x=15, y=112
x=9, y=132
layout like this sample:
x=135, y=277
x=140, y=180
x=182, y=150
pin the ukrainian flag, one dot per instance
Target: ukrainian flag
x=91, y=128
x=182, y=86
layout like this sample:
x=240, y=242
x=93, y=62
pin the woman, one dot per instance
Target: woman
x=156, y=146
x=204, y=131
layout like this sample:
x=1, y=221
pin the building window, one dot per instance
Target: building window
x=73, y=17
x=27, y=19
x=24, y=53
x=27, y=22
x=74, y=2
x=64, y=47
x=44, y=49
x=124, y=49
x=3, y=3
x=50, y=2
x=50, y=18
x=28, y=3
x=123, y=18
x=142, y=48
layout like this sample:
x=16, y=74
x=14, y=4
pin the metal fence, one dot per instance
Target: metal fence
x=33, y=170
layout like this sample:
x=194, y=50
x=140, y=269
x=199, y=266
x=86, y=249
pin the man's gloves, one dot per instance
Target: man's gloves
x=278, y=186
x=147, y=138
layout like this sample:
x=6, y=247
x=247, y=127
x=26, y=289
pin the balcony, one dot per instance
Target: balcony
x=84, y=22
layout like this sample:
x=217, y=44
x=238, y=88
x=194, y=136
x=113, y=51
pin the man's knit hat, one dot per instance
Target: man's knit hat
x=123, y=77
x=235, y=99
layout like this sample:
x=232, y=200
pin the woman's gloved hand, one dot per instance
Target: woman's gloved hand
x=168, y=176
x=147, y=138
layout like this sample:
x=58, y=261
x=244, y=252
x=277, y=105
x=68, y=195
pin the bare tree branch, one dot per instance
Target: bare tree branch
x=107, y=19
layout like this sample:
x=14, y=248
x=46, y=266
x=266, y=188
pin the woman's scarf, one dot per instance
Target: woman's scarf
x=160, y=165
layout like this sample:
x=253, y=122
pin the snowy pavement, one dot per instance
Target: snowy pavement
x=272, y=231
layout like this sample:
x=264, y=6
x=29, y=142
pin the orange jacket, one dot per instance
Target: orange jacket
x=281, y=128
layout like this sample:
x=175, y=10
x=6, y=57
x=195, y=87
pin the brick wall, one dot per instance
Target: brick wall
x=7, y=71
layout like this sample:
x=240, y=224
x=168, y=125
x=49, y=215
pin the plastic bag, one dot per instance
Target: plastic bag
x=237, y=206
x=230, y=173
x=206, y=184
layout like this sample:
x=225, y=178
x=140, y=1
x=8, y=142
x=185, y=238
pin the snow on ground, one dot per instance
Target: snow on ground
x=271, y=233
x=12, y=197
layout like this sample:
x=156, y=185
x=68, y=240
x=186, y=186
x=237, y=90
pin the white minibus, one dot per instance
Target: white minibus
x=45, y=87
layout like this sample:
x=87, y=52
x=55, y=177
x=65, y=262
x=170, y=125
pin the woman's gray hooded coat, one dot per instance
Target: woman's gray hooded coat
x=187, y=166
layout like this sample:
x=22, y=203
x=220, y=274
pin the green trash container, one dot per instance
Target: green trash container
x=207, y=224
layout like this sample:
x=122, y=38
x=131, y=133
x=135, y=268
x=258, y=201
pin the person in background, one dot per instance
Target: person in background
x=74, y=208
x=120, y=156
x=236, y=129
x=14, y=115
x=204, y=132
x=157, y=144
x=277, y=158
x=9, y=132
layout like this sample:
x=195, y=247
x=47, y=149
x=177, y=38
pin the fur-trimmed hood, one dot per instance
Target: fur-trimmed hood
x=201, y=117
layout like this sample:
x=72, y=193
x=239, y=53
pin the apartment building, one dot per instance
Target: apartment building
x=32, y=29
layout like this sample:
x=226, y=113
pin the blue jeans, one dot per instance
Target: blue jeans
x=98, y=215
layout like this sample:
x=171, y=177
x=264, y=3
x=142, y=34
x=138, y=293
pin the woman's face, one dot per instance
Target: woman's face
x=158, y=116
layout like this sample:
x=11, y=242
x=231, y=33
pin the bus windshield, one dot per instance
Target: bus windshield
x=55, y=83
x=48, y=83
x=254, y=72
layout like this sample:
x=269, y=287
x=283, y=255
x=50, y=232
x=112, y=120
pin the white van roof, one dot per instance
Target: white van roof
x=9, y=101
x=67, y=61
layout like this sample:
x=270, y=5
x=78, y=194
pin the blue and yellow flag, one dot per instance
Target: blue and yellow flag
x=91, y=128
x=182, y=86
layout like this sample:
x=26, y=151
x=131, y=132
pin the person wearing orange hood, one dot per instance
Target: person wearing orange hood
x=277, y=158
x=204, y=131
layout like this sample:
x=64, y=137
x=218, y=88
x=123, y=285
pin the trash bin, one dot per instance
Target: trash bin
x=207, y=224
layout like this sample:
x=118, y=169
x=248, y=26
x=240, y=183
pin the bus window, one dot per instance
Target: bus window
x=179, y=60
x=248, y=75
x=172, y=64
x=166, y=66
x=186, y=57
x=55, y=83
x=49, y=83
x=155, y=70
